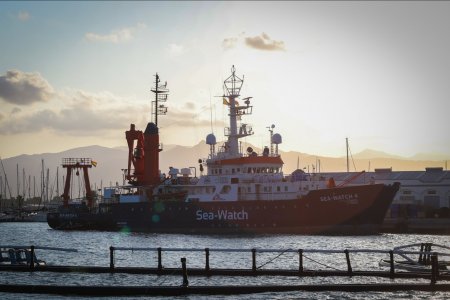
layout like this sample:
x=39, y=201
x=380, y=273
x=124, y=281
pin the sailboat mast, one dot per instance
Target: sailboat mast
x=47, y=183
x=57, y=181
x=42, y=182
x=346, y=146
x=23, y=183
x=1, y=193
x=18, y=183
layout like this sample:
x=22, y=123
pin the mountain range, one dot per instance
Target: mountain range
x=110, y=162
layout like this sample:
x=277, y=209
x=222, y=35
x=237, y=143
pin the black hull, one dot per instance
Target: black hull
x=355, y=210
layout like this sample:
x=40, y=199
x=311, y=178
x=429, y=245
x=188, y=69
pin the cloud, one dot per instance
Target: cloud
x=260, y=42
x=264, y=42
x=23, y=88
x=86, y=113
x=175, y=49
x=182, y=118
x=15, y=110
x=23, y=16
x=115, y=36
x=188, y=115
x=229, y=43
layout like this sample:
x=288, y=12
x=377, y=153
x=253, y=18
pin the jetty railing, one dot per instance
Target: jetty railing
x=426, y=258
x=431, y=255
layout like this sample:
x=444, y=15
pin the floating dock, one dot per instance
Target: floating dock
x=438, y=277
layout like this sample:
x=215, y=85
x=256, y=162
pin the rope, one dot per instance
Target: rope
x=324, y=265
x=271, y=260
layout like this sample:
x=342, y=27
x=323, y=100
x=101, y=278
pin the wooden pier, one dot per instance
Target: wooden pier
x=438, y=279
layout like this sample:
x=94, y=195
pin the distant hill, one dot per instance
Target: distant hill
x=112, y=160
x=370, y=154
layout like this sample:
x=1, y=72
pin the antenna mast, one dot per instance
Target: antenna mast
x=161, y=93
x=232, y=86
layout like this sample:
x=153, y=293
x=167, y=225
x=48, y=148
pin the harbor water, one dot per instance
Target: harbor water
x=93, y=249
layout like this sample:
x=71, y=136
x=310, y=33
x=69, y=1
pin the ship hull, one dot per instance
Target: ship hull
x=353, y=210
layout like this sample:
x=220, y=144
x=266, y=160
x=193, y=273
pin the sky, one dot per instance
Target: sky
x=74, y=74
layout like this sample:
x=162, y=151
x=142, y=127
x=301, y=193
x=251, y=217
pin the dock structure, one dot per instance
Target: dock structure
x=437, y=276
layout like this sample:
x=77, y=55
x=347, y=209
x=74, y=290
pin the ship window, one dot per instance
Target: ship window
x=233, y=171
x=285, y=188
x=249, y=189
x=226, y=189
x=278, y=189
x=407, y=192
x=432, y=192
x=238, y=170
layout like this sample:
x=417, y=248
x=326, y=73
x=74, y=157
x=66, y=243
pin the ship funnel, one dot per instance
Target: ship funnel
x=151, y=158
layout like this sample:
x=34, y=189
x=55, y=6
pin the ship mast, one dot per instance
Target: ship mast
x=161, y=93
x=232, y=87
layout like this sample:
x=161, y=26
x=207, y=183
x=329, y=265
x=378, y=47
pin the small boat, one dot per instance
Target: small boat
x=18, y=256
x=422, y=263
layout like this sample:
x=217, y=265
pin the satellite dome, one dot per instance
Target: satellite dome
x=276, y=139
x=210, y=139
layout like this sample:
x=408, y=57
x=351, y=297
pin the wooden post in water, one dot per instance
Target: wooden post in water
x=159, y=259
x=32, y=257
x=111, y=258
x=183, y=266
x=428, y=255
x=207, y=259
x=254, y=260
x=349, y=266
x=391, y=262
x=434, y=268
x=422, y=245
x=300, y=261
